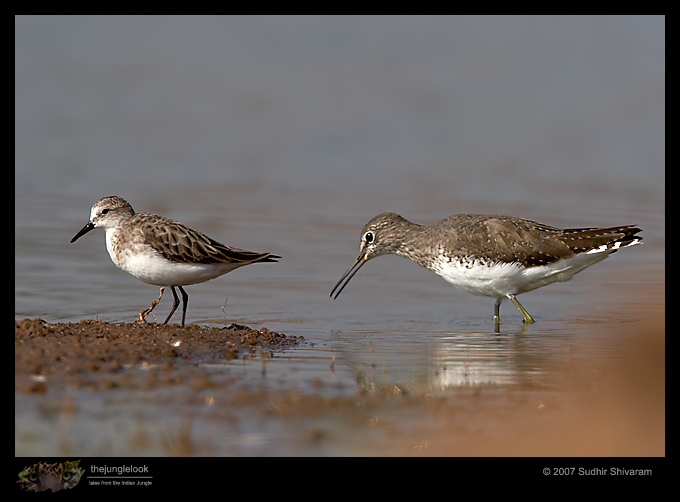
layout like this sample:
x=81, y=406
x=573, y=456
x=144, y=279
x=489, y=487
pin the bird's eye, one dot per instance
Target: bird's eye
x=368, y=237
x=104, y=211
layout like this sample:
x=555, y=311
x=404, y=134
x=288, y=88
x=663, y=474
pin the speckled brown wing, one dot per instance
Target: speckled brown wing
x=181, y=244
x=527, y=242
x=492, y=238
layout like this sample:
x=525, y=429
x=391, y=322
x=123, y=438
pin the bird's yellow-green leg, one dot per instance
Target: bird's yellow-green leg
x=497, y=316
x=527, y=318
x=146, y=312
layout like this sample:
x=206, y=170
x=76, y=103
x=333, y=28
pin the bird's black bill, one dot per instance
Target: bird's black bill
x=361, y=259
x=83, y=231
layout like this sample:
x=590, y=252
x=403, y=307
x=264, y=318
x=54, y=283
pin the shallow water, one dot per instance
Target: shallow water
x=288, y=135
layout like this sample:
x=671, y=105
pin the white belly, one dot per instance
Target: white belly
x=500, y=279
x=161, y=272
x=151, y=267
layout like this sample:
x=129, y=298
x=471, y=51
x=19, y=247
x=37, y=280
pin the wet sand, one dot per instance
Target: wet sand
x=98, y=355
x=65, y=370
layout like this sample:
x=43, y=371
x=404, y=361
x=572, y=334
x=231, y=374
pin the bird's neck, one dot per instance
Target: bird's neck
x=408, y=242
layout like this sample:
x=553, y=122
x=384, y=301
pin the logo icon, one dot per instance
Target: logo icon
x=42, y=476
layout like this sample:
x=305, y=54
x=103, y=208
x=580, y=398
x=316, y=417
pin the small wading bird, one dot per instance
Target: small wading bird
x=163, y=252
x=491, y=255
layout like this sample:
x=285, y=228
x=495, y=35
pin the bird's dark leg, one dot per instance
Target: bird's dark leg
x=175, y=304
x=146, y=312
x=185, y=302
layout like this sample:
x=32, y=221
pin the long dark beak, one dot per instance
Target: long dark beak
x=358, y=263
x=83, y=231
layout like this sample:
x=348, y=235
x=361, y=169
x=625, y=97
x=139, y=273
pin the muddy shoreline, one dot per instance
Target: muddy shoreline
x=96, y=354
